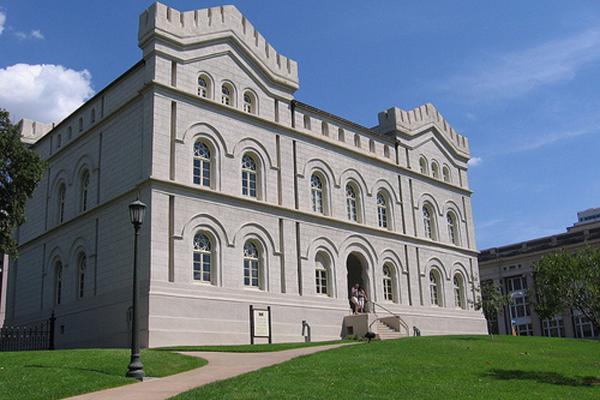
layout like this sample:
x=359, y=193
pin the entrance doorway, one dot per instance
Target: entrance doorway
x=357, y=273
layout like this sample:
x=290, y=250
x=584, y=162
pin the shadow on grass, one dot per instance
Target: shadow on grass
x=552, y=378
x=97, y=371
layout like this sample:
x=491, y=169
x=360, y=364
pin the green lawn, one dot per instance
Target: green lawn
x=46, y=375
x=455, y=367
x=249, y=348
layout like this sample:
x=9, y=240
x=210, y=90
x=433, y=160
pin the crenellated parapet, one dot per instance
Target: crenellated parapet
x=419, y=118
x=210, y=24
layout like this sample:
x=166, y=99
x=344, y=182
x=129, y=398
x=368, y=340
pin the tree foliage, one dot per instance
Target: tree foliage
x=566, y=280
x=20, y=171
x=491, y=301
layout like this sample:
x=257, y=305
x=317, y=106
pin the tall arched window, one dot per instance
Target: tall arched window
x=446, y=174
x=62, y=191
x=459, y=291
x=84, y=189
x=58, y=282
x=435, y=289
x=429, y=222
x=227, y=94
x=201, y=164
x=382, y=210
x=423, y=165
x=386, y=151
x=204, y=86
x=322, y=268
x=249, y=103
x=435, y=170
x=316, y=193
x=249, y=176
x=351, y=203
x=324, y=128
x=388, y=283
x=357, y=140
x=452, y=228
x=81, y=269
x=202, y=258
x=306, y=122
x=251, y=265
x=341, y=135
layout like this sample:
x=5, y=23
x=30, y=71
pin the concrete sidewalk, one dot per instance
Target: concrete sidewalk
x=220, y=366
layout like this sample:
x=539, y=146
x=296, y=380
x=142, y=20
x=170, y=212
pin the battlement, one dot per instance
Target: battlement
x=193, y=27
x=418, y=118
x=31, y=131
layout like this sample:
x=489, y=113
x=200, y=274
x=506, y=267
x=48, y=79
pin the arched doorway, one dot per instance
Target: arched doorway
x=357, y=272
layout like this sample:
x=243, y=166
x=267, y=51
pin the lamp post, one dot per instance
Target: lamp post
x=135, y=368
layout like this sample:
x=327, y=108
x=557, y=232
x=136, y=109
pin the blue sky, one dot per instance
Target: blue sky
x=520, y=79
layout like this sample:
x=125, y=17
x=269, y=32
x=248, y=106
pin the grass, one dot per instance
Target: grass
x=454, y=367
x=249, y=348
x=46, y=375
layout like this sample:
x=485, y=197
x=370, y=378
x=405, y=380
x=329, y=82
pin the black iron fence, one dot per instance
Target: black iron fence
x=38, y=336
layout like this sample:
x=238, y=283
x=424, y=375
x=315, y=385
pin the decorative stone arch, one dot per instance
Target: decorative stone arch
x=60, y=177
x=434, y=167
x=390, y=258
x=321, y=243
x=206, y=131
x=460, y=269
x=85, y=162
x=211, y=83
x=384, y=184
x=261, y=157
x=78, y=248
x=55, y=256
x=351, y=174
x=391, y=255
x=332, y=270
x=256, y=229
x=208, y=222
x=234, y=90
x=428, y=198
x=435, y=262
x=450, y=205
x=218, y=243
x=359, y=246
x=254, y=95
x=260, y=236
x=326, y=191
x=321, y=165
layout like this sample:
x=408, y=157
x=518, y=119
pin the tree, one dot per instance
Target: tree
x=20, y=171
x=566, y=280
x=491, y=301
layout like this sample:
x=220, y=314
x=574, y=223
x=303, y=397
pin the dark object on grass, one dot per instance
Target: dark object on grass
x=370, y=336
x=417, y=331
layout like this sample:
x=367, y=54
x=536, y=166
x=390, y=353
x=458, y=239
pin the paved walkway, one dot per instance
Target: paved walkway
x=220, y=366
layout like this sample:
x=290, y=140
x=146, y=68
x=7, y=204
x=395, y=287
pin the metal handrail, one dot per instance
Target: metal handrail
x=402, y=322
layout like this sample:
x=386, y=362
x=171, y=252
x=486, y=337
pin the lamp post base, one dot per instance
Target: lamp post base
x=135, y=368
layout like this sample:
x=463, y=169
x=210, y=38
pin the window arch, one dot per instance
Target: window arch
x=389, y=283
x=352, y=203
x=202, y=164
x=227, y=94
x=250, y=177
x=84, y=191
x=429, y=222
x=249, y=102
x=459, y=291
x=452, y=222
x=317, y=194
x=58, y=282
x=61, y=197
x=81, y=271
x=204, y=86
x=383, y=210
x=446, y=174
x=252, y=267
x=435, y=288
x=423, y=165
x=435, y=170
x=322, y=274
x=203, y=260
x=324, y=128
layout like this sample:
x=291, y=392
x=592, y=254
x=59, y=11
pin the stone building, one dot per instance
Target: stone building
x=511, y=267
x=254, y=199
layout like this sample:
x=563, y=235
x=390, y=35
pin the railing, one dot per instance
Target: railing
x=31, y=337
x=401, y=322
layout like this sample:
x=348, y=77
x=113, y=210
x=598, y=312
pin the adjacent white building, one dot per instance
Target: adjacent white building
x=254, y=199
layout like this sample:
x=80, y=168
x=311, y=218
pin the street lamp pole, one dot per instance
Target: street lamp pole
x=135, y=368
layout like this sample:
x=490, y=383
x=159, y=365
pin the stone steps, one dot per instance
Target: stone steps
x=385, y=332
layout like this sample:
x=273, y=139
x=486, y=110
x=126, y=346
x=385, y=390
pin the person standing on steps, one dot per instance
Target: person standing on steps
x=362, y=298
x=354, y=302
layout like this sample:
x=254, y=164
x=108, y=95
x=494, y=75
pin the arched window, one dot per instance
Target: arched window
x=58, y=140
x=341, y=135
x=324, y=128
x=58, y=282
x=322, y=268
x=251, y=265
x=61, y=202
x=202, y=258
x=316, y=193
x=435, y=170
x=201, y=164
x=452, y=228
x=382, y=210
x=93, y=115
x=429, y=222
x=249, y=176
x=388, y=283
x=386, y=151
x=371, y=145
x=446, y=174
x=423, y=165
x=435, y=289
x=357, y=140
x=84, y=189
x=81, y=268
x=459, y=291
x=204, y=86
x=80, y=124
x=306, y=122
x=351, y=203
x=227, y=94
x=249, y=103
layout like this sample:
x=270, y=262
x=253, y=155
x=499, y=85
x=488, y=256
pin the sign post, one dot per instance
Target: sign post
x=260, y=323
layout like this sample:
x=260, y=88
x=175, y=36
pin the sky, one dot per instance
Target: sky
x=520, y=79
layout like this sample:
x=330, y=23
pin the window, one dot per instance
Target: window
x=324, y=128
x=554, y=327
x=322, y=274
x=58, y=282
x=524, y=330
x=227, y=94
x=388, y=283
x=357, y=140
x=81, y=268
x=80, y=124
x=93, y=116
x=201, y=164
x=428, y=222
x=459, y=291
x=371, y=145
x=249, y=103
x=382, y=212
x=423, y=165
x=69, y=133
x=341, y=135
x=435, y=170
x=351, y=203
x=435, y=290
x=516, y=286
x=386, y=151
x=316, y=192
x=584, y=327
x=204, y=86
x=61, y=202
x=306, y=122
x=84, y=189
x=249, y=176
x=59, y=140
x=446, y=174
x=452, y=228
x=202, y=258
x=251, y=265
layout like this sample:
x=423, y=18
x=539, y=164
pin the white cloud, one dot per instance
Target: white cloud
x=475, y=161
x=45, y=92
x=34, y=34
x=2, y=20
x=37, y=34
x=517, y=73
